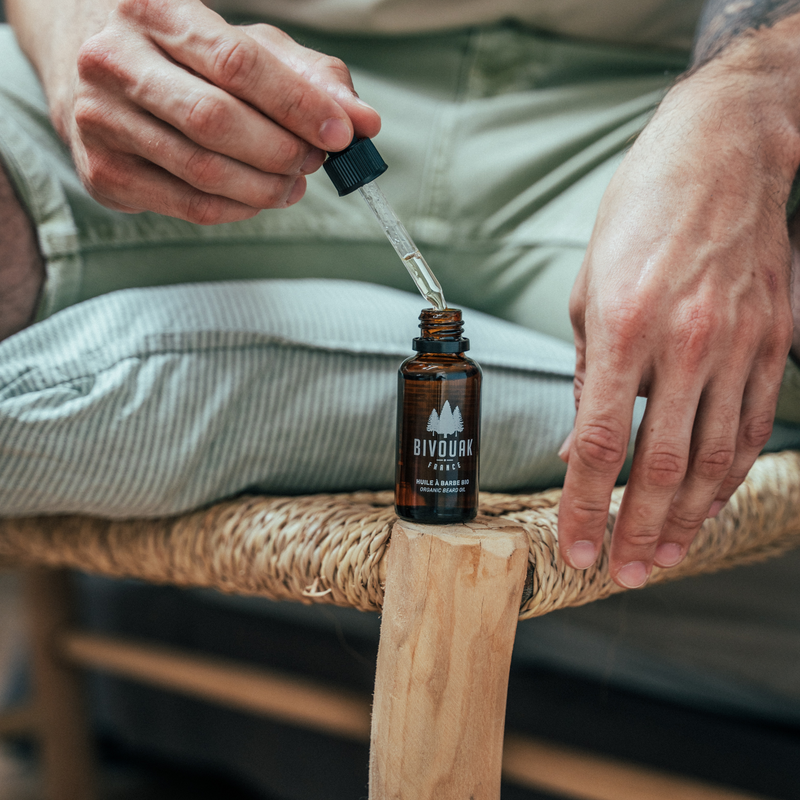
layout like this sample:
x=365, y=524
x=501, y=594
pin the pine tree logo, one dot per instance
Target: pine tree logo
x=447, y=421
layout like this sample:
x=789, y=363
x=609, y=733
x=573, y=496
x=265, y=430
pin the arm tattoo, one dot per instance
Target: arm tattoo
x=722, y=21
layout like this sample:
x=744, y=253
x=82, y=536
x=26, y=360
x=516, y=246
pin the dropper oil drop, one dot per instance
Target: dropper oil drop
x=425, y=280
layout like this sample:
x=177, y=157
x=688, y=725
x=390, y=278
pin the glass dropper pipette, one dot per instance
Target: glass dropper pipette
x=404, y=245
x=357, y=167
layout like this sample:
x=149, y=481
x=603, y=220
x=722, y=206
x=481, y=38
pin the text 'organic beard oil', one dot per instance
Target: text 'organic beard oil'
x=438, y=425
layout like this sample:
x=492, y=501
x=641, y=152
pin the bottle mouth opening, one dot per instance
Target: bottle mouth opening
x=445, y=325
x=443, y=315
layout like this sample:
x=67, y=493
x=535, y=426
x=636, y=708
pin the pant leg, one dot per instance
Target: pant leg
x=500, y=143
x=491, y=135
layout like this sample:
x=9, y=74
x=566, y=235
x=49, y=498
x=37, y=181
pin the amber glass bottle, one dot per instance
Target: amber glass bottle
x=438, y=425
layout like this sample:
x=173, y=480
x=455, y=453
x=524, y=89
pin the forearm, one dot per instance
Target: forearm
x=51, y=32
x=742, y=92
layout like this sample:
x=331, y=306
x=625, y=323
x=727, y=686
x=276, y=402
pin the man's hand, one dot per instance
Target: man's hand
x=170, y=109
x=683, y=298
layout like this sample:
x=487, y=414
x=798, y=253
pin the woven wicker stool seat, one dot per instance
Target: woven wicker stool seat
x=340, y=549
x=331, y=548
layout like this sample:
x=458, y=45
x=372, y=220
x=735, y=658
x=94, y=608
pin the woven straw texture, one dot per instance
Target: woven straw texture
x=331, y=548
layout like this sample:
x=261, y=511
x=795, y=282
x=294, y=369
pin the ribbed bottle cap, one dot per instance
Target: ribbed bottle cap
x=358, y=164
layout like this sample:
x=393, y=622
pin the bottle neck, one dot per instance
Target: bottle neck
x=441, y=332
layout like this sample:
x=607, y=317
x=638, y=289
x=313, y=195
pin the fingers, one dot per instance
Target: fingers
x=224, y=124
x=597, y=452
x=326, y=72
x=691, y=454
x=658, y=469
x=236, y=116
x=148, y=187
x=232, y=60
x=755, y=426
x=728, y=436
x=710, y=459
x=205, y=114
x=132, y=132
x=194, y=184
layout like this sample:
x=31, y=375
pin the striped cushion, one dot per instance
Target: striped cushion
x=154, y=401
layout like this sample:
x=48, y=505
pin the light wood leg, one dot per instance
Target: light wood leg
x=61, y=714
x=449, y=619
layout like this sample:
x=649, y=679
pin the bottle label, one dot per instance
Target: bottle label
x=438, y=447
x=443, y=452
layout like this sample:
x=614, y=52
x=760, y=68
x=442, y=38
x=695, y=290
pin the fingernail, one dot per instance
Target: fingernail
x=716, y=507
x=668, y=554
x=298, y=190
x=563, y=451
x=334, y=134
x=582, y=554
x=313, y=161
x=633, y=575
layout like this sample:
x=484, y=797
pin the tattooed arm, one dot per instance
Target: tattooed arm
x=724, y=21
x=683, y=296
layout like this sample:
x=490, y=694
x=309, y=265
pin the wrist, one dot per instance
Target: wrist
x=747, y=119
x=750, y=88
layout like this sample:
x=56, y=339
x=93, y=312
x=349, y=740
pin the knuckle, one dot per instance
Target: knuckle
x=294, y=103
x=208, y=119
x=205, y=170
x=275, y=192
x=687, y=523
x=88, y=113
x=601, y=444
x=756, y=430
x=664, y=466
x=100, y=174
x=731, y=483
x=641, y=537
x=136, y=9
x=577, y=309
x=204, y=209
x=713, y=462
x=275, y=33
x=334, y=64
x=624, y=323
x=780, y=336
x=263, y=31
x=234, y=63
x=626, y=320
x=589, y=513
x=693, y=332
x=290, y=153
x=95, y=59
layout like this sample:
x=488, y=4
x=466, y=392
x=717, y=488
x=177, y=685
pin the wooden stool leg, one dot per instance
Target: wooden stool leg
x=63, y=722
x=449, y=617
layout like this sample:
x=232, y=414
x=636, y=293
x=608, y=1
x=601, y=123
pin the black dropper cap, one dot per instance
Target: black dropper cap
x=358, y=164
